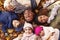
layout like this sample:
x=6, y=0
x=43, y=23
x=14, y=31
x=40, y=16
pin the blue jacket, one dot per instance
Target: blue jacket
x=20, y=28
x=6, y=19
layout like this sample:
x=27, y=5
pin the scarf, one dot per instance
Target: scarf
x=26, y=36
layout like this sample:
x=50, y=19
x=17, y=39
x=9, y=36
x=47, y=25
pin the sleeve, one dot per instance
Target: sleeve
x=56, y=34
x=53, y=12
x=51, y=29
x=10, y=22
x=48, y=30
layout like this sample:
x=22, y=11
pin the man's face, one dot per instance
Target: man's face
x=42, y=19
x=28, y=15
x=28, y=30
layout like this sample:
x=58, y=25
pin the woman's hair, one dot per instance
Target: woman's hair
x=29, y=9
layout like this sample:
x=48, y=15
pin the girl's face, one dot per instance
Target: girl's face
x=28, y=15
x=28, y=30
x=42, y=18
x=42, y=33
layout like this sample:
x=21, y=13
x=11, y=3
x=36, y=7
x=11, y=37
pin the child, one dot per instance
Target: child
x=47, y=33
x=28, y=33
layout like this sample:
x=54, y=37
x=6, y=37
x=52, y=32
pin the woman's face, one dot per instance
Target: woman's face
x=42, y=19
x=28, y=15
x=28, y=30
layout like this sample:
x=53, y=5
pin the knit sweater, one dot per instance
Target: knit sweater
x=28, y=37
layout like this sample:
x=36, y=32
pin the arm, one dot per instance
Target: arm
x=51, y=34
x=53, y=12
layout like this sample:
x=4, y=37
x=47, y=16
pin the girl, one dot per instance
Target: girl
x=47, y=33
x=28, y=33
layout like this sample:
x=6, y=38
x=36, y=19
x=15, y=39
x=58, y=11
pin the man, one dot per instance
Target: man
x=6, y=19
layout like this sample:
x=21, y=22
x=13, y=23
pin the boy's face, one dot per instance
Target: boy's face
x=42, y=19
x=15, y=23
x=42, y=33
x=28, y=15
x=28, y=30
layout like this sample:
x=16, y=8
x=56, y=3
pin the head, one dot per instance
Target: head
x=42, y=18
x=15, y=23
x=28, y=15
x=39, y=31
x=28, y=28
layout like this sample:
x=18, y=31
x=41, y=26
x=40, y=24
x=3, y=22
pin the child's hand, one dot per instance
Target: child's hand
x=15, y=23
